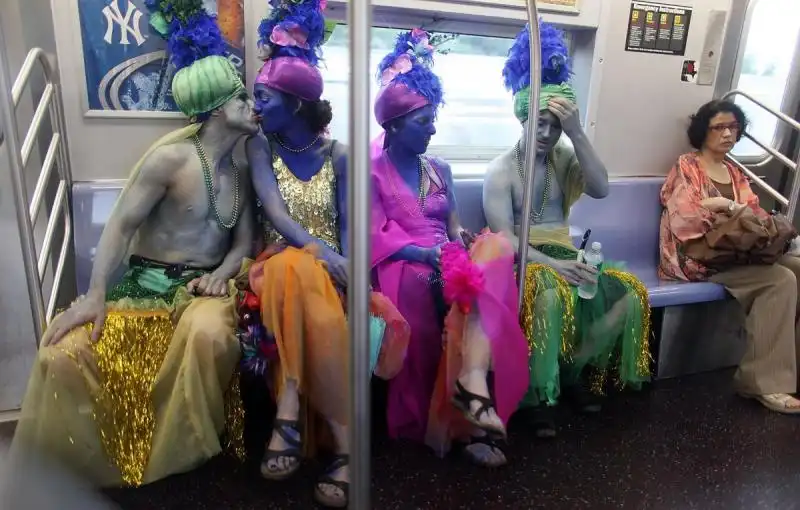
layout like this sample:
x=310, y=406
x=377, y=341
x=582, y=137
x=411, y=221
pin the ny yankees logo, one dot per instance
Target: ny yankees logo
x=129, y=24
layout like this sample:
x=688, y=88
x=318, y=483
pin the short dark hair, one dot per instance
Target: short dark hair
x=698, y=127
x=317, y=114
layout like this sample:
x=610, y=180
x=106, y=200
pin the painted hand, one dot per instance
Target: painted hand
x=433, y=257
x=567, y=113
x=468, y=238
x=89, y=309
x=575, y=272
x=208, y=285
x=337, y=267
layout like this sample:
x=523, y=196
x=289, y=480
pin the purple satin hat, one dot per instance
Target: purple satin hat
x=293, y=76
x=396, y=100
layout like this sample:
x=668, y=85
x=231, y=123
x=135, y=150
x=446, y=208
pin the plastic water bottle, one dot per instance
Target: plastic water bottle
x=592, y=258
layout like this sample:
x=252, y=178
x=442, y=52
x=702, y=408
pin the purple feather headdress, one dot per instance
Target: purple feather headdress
x=191, y=32
x=406, y=78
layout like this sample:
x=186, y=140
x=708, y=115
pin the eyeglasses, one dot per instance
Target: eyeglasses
x=720, y=128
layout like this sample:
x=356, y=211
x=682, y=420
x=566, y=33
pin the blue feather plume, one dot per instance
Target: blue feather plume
x=306, y=14
x=556, y=64
x=191, y=33
x=420, y=79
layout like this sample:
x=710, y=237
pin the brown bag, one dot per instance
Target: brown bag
x=742, y=239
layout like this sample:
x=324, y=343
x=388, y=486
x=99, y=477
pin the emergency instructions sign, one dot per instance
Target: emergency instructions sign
x=658, y=28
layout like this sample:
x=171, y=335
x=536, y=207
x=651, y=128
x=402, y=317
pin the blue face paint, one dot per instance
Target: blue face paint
x=413, y=131
x=275, y=108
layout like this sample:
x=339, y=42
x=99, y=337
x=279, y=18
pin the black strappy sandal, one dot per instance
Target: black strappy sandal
x=485, y=440
x=324, y=499
x=462, y=398
x=294, y=451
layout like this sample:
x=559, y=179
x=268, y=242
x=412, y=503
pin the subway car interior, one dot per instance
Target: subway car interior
x=83, y=95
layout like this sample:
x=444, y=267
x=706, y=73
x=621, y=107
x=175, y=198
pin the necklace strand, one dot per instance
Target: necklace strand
x=296, y=151
x=209, y=181
x=536, y=215
x=422, y=168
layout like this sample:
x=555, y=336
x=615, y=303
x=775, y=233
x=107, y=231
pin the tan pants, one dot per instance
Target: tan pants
x=769, y=296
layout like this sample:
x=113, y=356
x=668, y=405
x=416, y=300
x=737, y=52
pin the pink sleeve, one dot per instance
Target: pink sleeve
x=681, y=196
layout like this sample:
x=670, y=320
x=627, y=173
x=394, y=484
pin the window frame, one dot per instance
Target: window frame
x=790, y=100
x=391, y=19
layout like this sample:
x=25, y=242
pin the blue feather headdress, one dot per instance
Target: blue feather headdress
x=410, y=64
x=294, y=28
x=191, y=32
x=556, y=69
x=556, y=65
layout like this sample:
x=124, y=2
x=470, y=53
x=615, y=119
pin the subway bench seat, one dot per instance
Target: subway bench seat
x=700, y=327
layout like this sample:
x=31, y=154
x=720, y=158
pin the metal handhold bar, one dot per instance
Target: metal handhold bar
x=791, y=202
x=358, y=203
x=530, y=152
x=58, y=207
x=44, y=178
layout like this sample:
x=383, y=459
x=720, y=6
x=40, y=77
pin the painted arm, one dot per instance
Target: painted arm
x=499, y=210
x=454, y=228
x=259, y=156
x=134, y=205
x=243, y=236
x=595, y=175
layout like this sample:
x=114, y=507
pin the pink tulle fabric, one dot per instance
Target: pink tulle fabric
x=463, y=279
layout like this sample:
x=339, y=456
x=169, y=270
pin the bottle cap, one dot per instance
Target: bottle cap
x=596, y=246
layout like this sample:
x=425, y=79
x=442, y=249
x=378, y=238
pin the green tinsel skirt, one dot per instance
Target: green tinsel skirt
x=574, y=340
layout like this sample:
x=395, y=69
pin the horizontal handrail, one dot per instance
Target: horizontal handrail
x=58, y=204
x=36, y=123
x=759, y=182
x=782, y=116
x=789, y=203
x=44, y=178
x=62, y=260
x=775, y=154
x=36, y=55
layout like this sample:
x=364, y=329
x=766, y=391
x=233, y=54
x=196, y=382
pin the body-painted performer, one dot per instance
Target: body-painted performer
x=574, y=341
x=299, y=175
x=417, y=242
x=129, y=384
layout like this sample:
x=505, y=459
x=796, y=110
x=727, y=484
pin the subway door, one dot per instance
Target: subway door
x=760, y=59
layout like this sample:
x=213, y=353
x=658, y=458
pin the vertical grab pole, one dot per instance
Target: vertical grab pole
x=29, y=258
x=358, y=216
x=530, y=147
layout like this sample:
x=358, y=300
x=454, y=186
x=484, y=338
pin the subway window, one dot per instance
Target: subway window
x=476, y=123
x=765, y=67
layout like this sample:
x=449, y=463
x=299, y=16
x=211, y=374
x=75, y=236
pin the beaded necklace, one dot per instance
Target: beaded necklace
x=212, y=197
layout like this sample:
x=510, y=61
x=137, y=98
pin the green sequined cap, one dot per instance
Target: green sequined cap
x=522, y=98
x=206, y=85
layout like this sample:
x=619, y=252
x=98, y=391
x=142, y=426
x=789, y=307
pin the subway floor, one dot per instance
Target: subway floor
x=680, y=444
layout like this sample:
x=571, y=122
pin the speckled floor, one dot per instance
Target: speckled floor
x=683, y=444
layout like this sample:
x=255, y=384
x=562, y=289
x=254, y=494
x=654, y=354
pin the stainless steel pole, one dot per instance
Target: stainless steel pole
x=27, y=241
x=358, y=285
x=530, y=147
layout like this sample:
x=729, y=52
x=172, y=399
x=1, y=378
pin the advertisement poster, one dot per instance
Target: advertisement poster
x=125, y=59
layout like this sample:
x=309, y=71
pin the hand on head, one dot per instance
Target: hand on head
x=567, y=113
